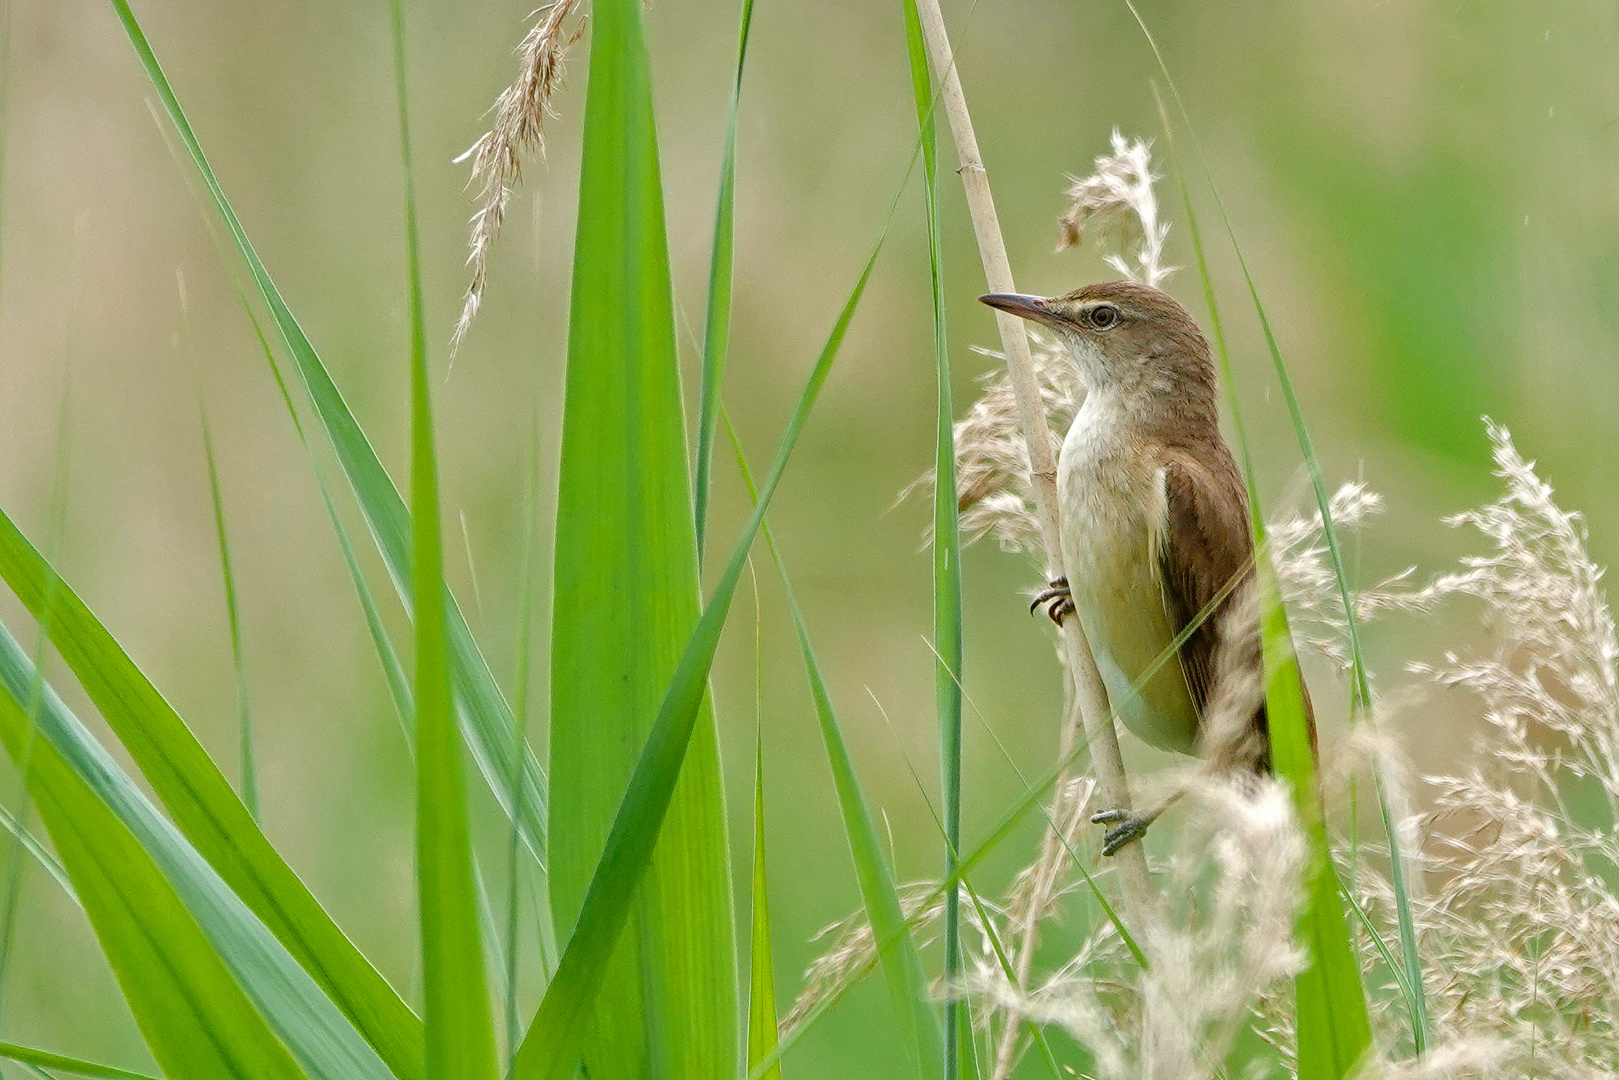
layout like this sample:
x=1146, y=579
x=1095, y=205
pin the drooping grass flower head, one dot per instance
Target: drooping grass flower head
x=518, y=131
x=1118, y=198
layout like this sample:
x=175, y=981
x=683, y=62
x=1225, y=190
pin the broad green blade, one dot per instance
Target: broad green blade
x=212, y=990
x=762, y=1018
x=206, y=809
x=44, y=1059
x=625, y=601
x=459, y=1033
x=901, y=962
x=1334, y=1032
x=717, y=324
x=947, y=635
x=552, y=1046
x=484, y=713
x=196, y=1021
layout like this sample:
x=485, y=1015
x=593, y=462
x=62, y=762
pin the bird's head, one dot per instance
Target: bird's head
x=1125, y=338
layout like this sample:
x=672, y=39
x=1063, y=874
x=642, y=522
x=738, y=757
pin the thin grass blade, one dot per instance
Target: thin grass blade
x=520, y=703
x=44, y=1059
x=458, y=1031
x=31, y=844
x=484, y=713
x=393, y=671
x=947, y=633
x=250, y=788
x=717, y=322
x=762, y=1018
x=898, y=954
x=902, y=963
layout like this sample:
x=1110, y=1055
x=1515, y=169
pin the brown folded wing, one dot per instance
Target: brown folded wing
x=1205, y=557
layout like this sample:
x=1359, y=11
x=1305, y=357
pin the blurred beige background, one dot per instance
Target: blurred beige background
x=1424, y=191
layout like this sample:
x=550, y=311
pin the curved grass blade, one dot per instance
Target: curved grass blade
x=48, y=862
x=250, y=788
x=204, y=806
x=458, y=1032
x=213, y=992
x=947, y=634
x=520, y=703
x=484, y=713
x=717, y=323
x=762, y=1018
x=44, y=1059
x=393, y=672
x=901, y=962
x=625, y=600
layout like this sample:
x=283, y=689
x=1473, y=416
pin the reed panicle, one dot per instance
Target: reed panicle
x=519, y=131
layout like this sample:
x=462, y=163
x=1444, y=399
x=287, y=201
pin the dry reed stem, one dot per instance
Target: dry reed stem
x=1091, y=696
x=1093, y=711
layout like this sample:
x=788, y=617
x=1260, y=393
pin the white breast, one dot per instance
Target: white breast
x=1111, y=499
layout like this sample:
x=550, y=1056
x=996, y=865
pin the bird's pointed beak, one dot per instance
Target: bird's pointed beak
x=1022, y=305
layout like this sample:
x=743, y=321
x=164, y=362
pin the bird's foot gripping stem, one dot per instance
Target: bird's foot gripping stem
x=1128, y=826
x=1056, y=600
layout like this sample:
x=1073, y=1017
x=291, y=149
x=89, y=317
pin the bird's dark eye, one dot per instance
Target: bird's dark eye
x=1103, y=316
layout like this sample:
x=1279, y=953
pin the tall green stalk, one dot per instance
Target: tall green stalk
x=947, y=632
x=458, y=1032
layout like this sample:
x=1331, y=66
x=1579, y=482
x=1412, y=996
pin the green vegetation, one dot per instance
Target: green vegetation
x=626, y=888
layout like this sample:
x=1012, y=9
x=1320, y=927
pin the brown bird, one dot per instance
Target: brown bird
x=1155, y=527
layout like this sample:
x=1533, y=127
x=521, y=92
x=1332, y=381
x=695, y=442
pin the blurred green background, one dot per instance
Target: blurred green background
x=1424, y=189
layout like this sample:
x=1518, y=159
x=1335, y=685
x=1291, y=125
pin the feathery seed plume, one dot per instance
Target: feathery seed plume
x=1119, y=197
x=497, y=156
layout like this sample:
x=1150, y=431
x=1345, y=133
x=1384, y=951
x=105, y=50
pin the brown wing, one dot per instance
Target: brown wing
x=1203, y=544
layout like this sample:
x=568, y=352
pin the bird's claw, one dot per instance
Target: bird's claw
x=1128, y=827
x=1056, y=600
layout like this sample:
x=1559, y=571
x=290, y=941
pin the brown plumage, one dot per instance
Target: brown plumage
x=1156, y=528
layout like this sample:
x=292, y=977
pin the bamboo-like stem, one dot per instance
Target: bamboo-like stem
x=1091, y=711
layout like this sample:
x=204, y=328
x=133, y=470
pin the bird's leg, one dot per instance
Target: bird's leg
x=1128, y=825
x=1056, y=600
